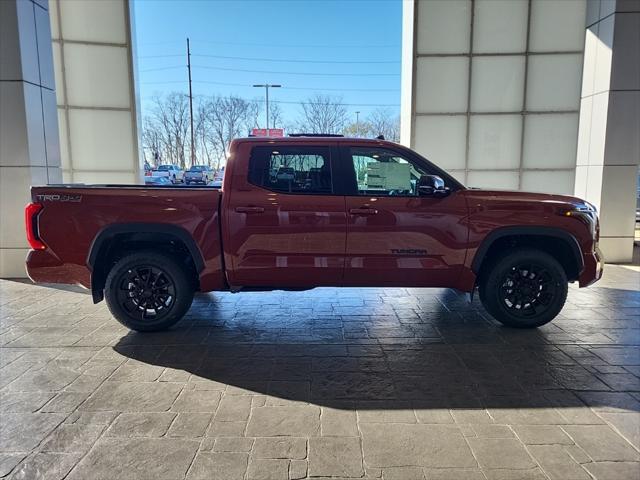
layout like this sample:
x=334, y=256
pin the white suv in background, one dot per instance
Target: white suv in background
x=173, y=172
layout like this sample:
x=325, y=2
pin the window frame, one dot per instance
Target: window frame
x=329, y=151
x=351, y=181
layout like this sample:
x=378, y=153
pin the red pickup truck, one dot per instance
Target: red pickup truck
x=303, y=212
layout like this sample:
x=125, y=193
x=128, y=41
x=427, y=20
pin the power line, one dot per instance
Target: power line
x=162, y=56
x=162, y=68
x=281, y=45
x=276, y=60
x=285, y=87
x=323, y=74
x=279, y=60
x=300, y=102
x=278, y=45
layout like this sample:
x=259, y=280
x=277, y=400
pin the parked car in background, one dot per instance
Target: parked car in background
x=304, y=212
x=218, y=178
x=174, y=173
x=199, y=174
x=157, y=181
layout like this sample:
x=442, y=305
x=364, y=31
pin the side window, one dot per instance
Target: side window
x=382, y=172
x=291, y=169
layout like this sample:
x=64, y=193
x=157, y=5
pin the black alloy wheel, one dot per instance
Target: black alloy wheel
x=148, y=291
x=524, y=289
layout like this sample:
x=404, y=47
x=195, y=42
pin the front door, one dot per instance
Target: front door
x=395, y=236
x=286, y=227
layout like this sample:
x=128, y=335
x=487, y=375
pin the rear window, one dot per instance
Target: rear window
x=292, y=169
x=198, y=168
x=164, y=168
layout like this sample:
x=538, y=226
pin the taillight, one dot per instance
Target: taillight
x=31, y=212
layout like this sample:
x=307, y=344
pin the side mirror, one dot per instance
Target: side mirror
x=432, y=185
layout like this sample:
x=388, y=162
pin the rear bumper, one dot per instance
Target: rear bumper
x=593, y=268
x=44, y=267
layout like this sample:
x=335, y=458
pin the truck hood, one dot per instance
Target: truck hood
x=497, y=197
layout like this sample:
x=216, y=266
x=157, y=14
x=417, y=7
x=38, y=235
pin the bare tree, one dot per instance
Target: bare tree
x=166, y=128
x=226, y=119
x=276, y=118
x=383, y=122
x=322, y=114
x=152, y=143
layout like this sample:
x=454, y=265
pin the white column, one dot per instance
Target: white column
x=495, y=89
x=609, y=146
x=29, y=149
x=95, y=75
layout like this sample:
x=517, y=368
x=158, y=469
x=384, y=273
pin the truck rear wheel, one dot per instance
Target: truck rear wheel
x=526, y=288
x=148, y=292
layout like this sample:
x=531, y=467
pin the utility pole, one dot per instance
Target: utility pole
x=193, y=151
x=266, y=86
x=358, y=123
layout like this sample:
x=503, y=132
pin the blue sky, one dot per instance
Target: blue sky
x=293, y=37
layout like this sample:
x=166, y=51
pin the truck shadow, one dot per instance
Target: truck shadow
x=445, y=355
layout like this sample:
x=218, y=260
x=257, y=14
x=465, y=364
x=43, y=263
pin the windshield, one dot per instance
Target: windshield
x=197, y=168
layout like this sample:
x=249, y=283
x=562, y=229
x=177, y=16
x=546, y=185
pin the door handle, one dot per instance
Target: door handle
x=363, y=211
x=249, y=209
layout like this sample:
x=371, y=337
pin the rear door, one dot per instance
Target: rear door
x=285, y=221
x=394, y=235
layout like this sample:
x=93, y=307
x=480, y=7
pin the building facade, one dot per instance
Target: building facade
x=493, y=91
x=67, y=105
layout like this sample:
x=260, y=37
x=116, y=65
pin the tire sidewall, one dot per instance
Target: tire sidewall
x=183, y=290
x=491, y=284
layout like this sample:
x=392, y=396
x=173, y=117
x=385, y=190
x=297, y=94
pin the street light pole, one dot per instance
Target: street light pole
x=266, y=86
x=193, y=152
x=358, y=123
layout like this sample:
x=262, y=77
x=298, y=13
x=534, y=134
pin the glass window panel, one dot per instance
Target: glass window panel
x=561, y=182
x=292, y=169
x=497, y=84
x=557, y=25
x=96, y=21
x=442, y=139
x=442, y=84
x=500, y=26
x=443, y=26
x=494, y=141
x=550, y=140
x=554, y=82
x=493, y=179
x=96, y=76
x=101, y=139
x=382, y=172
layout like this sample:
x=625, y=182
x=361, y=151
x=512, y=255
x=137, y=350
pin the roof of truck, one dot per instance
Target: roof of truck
x=297, y=140
x=313, y=138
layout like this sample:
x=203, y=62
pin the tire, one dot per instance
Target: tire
x=172, y=298
x=525, y=288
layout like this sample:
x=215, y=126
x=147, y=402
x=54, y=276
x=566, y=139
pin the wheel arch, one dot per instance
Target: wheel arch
x=557, y=242
x=116, y=239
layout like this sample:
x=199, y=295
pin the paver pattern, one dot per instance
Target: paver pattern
x=393, y=384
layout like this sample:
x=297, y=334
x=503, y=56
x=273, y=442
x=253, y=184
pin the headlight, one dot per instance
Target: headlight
x=587, y=214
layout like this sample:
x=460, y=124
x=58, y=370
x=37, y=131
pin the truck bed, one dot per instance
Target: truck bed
x=74, y=218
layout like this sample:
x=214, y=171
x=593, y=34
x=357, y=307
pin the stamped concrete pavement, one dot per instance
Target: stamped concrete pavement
x=331, y=383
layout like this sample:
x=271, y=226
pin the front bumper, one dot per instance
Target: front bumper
x=593, y=268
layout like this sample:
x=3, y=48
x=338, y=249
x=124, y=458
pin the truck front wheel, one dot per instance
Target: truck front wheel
x=148, y=292
x=525, y=288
